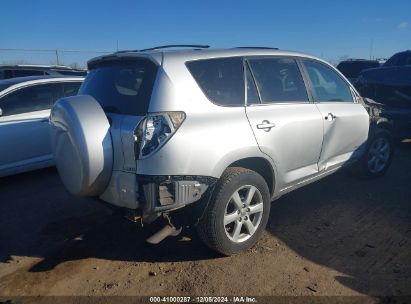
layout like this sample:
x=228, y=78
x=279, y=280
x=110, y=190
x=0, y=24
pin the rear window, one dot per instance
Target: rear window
x=221, y=80
x=122, y=87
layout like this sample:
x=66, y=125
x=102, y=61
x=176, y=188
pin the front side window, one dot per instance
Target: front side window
x=29, y=99
x=326, y=84
x=278, y=80
x=221, y=79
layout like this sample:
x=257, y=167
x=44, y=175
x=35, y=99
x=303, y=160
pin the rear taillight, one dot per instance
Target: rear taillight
x=155, y=130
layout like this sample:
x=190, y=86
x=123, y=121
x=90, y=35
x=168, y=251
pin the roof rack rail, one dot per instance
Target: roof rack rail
x=48, y=66
x=257, y=47
x=200, y=46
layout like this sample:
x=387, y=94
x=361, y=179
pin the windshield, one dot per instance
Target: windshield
x=399, y=59
x=121, y=86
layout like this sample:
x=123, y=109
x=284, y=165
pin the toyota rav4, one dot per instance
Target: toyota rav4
x=219, y=132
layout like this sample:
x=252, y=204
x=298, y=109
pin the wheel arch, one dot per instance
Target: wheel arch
x=260, y=165
x=386, y=124
x=382, y=124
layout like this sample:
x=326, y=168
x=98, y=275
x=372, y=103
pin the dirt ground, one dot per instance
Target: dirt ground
x=339, y=236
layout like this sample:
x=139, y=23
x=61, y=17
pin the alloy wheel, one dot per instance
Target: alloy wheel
x=378, y=155
x=243, y=213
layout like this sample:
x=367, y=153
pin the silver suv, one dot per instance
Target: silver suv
x=219, y=132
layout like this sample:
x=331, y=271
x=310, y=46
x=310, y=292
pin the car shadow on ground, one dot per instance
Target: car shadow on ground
x=38, y=218
x=116, y=238
x=360, y=228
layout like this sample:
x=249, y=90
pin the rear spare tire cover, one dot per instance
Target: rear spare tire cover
x=81, y=144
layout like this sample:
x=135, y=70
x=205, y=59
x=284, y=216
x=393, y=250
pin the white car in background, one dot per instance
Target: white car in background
x=25, y=104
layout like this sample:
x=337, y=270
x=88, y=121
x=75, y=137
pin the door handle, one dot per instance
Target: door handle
x=330, y=116
x=266, y=125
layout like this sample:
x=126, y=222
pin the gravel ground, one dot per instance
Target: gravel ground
x=340, y=236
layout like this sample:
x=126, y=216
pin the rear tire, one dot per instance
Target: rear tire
x=237, y=213
x=378, y=155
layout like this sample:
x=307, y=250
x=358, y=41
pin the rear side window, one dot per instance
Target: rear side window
x=71, y=88
x=221, y=80
x=326, y=83
x=29, y=99
x=122, y=87
x=71, y=73
x=278, y=80
x=24, y=73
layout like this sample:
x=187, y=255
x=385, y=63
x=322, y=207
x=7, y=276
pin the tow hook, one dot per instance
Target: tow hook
x=168, y=230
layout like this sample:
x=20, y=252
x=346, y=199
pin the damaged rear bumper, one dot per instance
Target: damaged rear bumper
x=151, y=196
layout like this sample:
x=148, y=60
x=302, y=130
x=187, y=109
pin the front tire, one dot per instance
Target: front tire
x=378, y=155
x=237, y=213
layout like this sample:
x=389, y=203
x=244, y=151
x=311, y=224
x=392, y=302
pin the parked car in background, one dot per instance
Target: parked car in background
x=390, y=86
x=25, y=104
x=219, y=132
x=352, y=68
x=381, y=61
x=11, y=71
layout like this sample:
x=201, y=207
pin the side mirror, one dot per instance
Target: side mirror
x=1, y=112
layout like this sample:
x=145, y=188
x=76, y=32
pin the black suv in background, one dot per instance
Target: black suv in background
x=11, y=71
x=352, y=68
x=390, y=86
